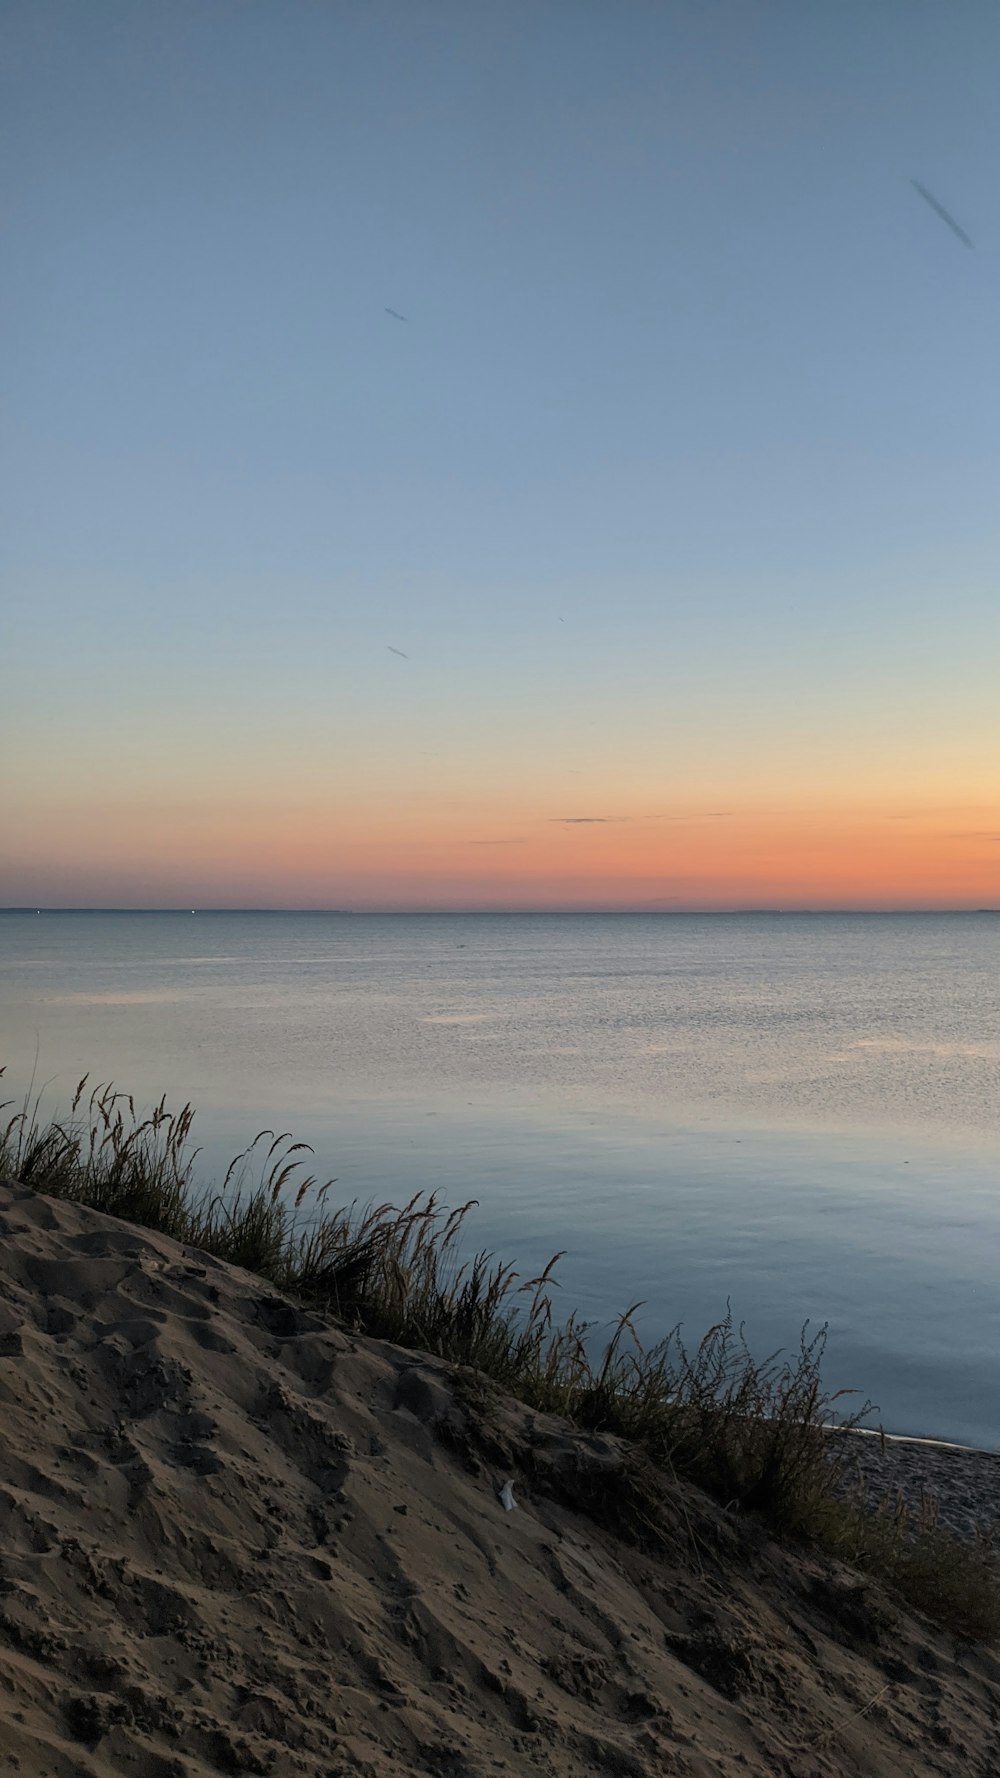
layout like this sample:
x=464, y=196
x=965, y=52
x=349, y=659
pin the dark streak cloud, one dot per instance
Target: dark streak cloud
x=939, y=210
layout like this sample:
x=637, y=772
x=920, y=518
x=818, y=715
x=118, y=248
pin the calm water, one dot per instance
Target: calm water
x=800, y=1113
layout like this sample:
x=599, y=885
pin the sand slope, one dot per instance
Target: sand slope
x=233, y=1539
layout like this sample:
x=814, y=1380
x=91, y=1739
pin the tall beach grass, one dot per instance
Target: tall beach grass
x=761, y=1437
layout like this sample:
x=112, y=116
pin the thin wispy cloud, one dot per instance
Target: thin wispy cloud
x=985, y=811
x=697, y=815
x=653, y=819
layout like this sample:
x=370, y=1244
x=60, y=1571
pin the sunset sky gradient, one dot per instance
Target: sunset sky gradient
x=677, y=489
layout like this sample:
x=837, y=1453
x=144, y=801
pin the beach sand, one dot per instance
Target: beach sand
x=963, y=1483
x=235, y=1539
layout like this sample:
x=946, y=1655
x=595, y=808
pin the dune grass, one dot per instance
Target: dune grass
x=756, y=1436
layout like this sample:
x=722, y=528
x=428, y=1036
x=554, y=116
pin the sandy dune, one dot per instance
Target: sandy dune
x=236, y=1540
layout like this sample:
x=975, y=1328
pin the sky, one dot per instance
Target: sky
x=650, y=562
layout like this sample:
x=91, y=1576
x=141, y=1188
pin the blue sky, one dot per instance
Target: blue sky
x=680, y=476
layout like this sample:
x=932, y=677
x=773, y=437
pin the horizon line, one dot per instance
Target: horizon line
x=494, y=912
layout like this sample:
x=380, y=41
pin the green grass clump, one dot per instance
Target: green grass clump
x=754, y=1435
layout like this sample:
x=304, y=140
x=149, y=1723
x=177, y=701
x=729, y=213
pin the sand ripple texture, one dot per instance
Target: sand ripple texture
x=234, y=1539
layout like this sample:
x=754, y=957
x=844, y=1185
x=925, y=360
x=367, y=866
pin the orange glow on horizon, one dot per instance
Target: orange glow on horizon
x=363, y=856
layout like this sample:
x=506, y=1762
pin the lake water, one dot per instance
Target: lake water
x=799, y=1113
